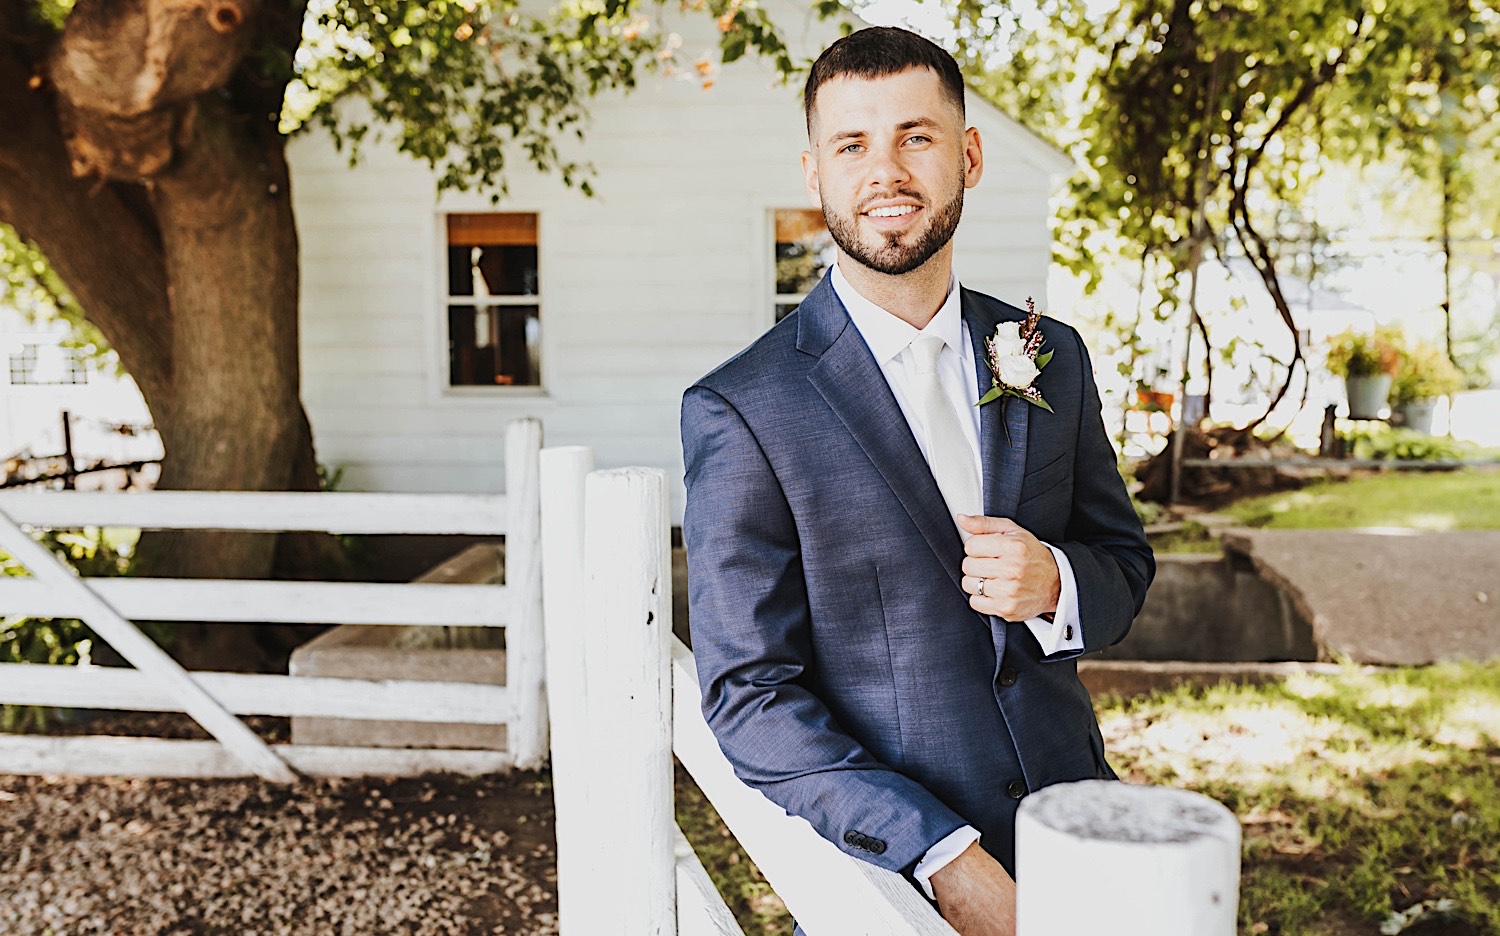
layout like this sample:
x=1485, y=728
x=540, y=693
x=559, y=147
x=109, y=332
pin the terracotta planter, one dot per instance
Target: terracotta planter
x=1367, y=395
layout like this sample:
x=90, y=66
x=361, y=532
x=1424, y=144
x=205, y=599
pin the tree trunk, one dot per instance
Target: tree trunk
x=230, y=249
x=1447, y=237
x=163, y=201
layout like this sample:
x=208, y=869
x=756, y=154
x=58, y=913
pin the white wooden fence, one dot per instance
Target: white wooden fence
x=624, y=696
x=158, y=683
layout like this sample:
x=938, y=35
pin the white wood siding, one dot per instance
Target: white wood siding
x=660, y=277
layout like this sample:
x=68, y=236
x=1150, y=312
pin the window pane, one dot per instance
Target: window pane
x=494, y=346
x=494, y=270
x=804, y=250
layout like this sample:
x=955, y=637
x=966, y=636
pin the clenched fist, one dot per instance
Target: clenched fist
x=1007, y=571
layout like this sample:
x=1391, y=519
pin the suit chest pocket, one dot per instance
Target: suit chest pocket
x=1043, y=480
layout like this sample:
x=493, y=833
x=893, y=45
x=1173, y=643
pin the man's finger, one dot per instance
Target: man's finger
x=997, y=545
x=982, y=524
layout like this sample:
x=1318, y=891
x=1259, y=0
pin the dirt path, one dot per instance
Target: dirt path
x=434, y=855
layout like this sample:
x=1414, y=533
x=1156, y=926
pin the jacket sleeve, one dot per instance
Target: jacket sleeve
x=1112, y=563
x=750, y=625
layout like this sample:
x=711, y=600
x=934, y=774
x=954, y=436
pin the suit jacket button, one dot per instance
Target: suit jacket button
x=851, y=838
x=877, y=846
x=1016, y=789
x=1007, y=677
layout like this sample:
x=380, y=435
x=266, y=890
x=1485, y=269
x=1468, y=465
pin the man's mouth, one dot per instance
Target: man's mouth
x=891, y=217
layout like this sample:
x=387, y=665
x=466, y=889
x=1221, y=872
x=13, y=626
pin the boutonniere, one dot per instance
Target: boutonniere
x=1016, y=362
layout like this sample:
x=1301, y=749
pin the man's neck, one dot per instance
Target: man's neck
x=913, y=297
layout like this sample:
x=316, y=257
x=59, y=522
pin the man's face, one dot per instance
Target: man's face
x=888, y=164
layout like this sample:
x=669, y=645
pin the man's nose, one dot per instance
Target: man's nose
x=888, y=170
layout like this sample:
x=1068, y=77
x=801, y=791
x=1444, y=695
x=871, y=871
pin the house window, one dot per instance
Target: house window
x=37, y=365
x=494, y=330
x=804, y=251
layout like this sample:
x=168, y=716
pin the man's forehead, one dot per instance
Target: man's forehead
x=859, y=104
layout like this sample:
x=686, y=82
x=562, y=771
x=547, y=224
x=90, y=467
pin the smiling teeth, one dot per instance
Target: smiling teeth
x=895, y=212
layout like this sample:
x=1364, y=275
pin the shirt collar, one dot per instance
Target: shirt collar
x=884, y=333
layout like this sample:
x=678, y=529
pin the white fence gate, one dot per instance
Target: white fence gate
x=624, y=697
x=158, y=683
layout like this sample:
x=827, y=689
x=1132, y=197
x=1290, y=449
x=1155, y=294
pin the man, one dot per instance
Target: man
x=888, y=583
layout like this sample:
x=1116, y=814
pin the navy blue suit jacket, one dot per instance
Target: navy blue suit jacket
x=843, y=672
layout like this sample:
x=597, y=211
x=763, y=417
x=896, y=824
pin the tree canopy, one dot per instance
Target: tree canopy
x=1205, y=123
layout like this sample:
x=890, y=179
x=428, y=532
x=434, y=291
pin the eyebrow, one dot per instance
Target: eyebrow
x=923, y=122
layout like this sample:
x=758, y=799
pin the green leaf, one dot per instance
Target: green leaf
x=994, y=393
x=1042, y=359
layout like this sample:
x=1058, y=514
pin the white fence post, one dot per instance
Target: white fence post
x=628, y=613
x=524, y=663
x=1156, y=861
x=564, y=470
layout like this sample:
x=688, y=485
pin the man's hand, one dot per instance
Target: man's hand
x=1017, y=570
x=975, y=895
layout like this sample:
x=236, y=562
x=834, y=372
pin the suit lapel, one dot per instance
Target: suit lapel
x=852, y=384
x=1002, y=448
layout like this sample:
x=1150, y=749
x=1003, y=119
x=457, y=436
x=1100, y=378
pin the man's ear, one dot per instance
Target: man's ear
x=973, y=157
x=810, y=179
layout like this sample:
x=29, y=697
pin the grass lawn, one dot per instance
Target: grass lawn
x=1362, y=796
x=1467, y=499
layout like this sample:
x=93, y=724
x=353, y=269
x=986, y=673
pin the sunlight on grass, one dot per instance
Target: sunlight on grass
x=1361, y=794
x=1437, y=501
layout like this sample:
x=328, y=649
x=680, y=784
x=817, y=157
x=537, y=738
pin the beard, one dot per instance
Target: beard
x=891, y=256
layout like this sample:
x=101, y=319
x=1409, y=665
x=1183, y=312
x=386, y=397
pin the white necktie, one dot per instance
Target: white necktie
x=949, y=455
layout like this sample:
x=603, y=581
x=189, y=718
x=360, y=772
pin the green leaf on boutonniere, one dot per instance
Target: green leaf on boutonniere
x=993, y=393
x=1041, y=362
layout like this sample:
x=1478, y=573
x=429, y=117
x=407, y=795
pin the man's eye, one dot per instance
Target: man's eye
x=918, y=138
x=852, y=147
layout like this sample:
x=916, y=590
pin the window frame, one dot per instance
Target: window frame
x=768, y=264
x=439, y=376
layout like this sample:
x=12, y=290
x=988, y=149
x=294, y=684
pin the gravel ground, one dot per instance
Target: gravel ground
x=433, y=855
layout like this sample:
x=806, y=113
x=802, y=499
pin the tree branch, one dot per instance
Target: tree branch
x=128, y=75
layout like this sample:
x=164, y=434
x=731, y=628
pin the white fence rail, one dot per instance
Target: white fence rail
x=158, y=683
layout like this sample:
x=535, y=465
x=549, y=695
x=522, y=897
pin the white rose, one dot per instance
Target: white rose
x=1018, y=371
x=1008, y=339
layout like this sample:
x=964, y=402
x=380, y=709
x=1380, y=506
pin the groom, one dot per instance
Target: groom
x=889, y=585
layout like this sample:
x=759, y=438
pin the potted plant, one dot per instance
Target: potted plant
x=1368, y=364
x=1423, y=374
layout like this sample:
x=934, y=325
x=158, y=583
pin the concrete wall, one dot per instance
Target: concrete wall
x=1210, y=608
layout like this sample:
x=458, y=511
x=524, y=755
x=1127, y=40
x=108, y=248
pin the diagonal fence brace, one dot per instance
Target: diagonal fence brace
x=143, y=653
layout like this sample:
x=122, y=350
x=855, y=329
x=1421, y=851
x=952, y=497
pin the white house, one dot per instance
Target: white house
x=430, y=320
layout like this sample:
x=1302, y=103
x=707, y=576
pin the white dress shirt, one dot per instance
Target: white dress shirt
x=888, y=338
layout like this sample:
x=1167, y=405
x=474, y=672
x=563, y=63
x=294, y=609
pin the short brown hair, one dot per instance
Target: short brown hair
x=877, y=52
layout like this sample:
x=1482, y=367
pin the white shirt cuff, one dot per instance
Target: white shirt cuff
x=948, y=848
x=1064, y=632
